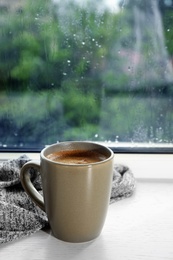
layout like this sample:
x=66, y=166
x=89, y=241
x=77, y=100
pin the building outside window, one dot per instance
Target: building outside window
x=86, y=70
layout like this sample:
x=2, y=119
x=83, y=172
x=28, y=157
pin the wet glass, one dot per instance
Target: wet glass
x=85, y=70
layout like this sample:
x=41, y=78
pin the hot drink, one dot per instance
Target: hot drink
x=77, y=156
x=76, y=191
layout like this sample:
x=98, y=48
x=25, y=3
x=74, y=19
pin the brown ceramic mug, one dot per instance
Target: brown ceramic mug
x=76, y=193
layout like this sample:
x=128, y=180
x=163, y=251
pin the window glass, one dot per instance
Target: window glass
x=85, y=70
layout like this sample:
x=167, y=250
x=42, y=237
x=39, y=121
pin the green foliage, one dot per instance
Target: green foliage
x=44, y=43
x=167, y=22
x=31, y=117
x=57, y=64
x=80, y=109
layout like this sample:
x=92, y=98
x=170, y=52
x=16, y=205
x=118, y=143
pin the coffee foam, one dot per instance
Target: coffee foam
x=77, y=156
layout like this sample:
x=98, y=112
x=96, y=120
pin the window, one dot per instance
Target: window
x=86, y=70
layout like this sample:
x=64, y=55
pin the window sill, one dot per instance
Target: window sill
x=139, y=227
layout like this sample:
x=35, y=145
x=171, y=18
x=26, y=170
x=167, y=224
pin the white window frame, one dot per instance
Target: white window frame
x=143, y=165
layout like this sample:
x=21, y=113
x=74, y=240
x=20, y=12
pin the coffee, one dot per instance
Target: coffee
x=77, y=193
x=77, y=156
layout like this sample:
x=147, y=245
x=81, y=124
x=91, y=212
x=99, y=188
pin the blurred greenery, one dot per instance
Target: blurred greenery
x=59, y=62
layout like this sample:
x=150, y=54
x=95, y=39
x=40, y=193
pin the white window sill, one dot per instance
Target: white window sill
x=139, y=227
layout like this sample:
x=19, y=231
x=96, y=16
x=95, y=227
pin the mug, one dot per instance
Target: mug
x=75, y=195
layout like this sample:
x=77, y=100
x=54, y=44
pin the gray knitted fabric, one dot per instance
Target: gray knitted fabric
x=20, y=217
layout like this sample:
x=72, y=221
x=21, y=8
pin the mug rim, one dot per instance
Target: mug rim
x=43, y=156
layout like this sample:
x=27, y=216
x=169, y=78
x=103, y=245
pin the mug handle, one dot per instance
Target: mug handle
x=27, y=184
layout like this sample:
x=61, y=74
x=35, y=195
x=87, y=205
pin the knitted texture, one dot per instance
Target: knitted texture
x=20, y=217
x=123, y=183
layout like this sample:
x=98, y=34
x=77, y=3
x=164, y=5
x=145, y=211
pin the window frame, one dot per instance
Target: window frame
x=117, y=147
x=154, y=165
x=122, y=148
